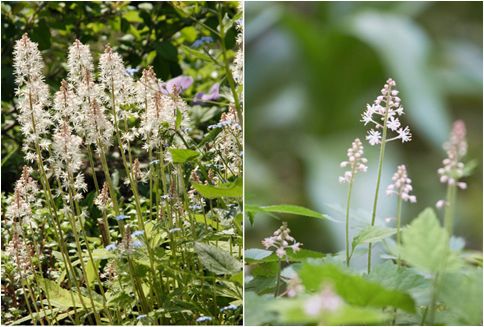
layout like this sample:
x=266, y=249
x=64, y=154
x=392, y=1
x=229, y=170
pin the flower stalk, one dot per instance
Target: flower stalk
x=388, y=120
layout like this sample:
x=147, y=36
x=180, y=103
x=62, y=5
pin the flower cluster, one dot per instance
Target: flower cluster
x=326, y=301
x=120, y=88
x=22, y=201
x=228, y=145
x=66, y=160
x=90, y=120
x=21, y=254
x=281, y=240
x=238, y=68
x=456, y=149
x=294, y=286
x=401, y=185
x=161, y=108
x=356, y=162
x=32, y=96
x=384, y=113
x=103, y=200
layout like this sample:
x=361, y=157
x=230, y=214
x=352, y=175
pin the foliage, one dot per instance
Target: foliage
x=143, y=226
x=426, y=248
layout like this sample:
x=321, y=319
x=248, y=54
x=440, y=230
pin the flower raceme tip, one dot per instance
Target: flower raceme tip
x=281, y=241
x=401, y=185
x=356, y=162
x=384, y=112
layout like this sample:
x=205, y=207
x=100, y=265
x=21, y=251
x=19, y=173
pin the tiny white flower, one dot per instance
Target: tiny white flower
x=356, y=161
x=440, y=204
x=280, y=252
x=404, y=134
x=393, y=123
x=373, y=137
x=401, y=185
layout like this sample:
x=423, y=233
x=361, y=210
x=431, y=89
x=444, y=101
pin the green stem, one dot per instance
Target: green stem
x=433, y=303
x=31, y=292
x=380, y=166
x=52, y=207
x=449, y=208
x=399, y=214
x=91, y=163
x=276, y=292
x=348, y=201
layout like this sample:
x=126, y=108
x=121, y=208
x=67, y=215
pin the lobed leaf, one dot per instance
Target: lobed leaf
x=425, y=244
x=354, y=289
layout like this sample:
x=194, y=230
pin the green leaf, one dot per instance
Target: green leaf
x=354, y=289
x=256, y=254
x=217, y=260
x=91, y=272
x=167, y=51
x=61, y=298
x=183, y=155
x=292, y=312
x=287, y=209
x=390, y=276
x=230, y=190
x=371, y=234
x=425, y=244
x=41, y=34
x=462, y=294
x=257, y=309
x=203, y=219
x=101, y=254
x=132, y=16
x=265, y=269
x=196, y=53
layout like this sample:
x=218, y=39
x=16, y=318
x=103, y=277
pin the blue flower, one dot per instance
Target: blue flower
x=195, y=207
x=229, y=307
x=137, y=233
x=204, y=39
x=136, y=244
x=111, y=247
x=204, y=318
x=121, y=217
x=141, y=317
x=131, y=71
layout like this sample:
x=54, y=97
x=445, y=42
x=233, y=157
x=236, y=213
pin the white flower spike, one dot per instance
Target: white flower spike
x=385, y=112
x=401, y=185
x=356, y=162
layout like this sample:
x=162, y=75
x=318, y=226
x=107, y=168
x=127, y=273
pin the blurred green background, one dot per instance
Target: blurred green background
x=160, y=34
x=312, y=67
